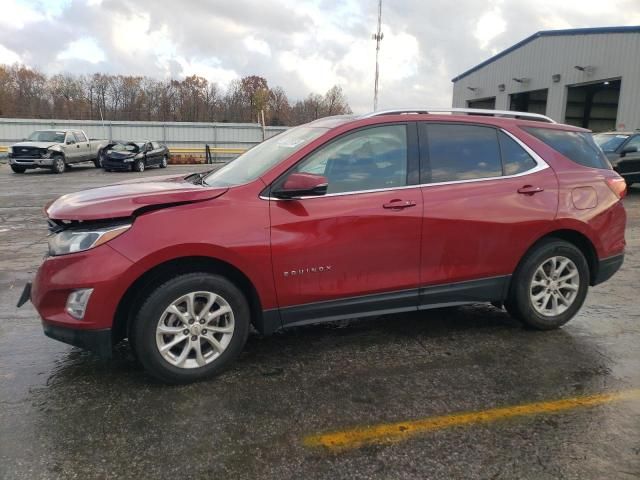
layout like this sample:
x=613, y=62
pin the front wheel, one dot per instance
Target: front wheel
x=190, y=328
x=98, y=160
x=59, y=165
x=164, y=162
x=549, y=286
x=138, y=166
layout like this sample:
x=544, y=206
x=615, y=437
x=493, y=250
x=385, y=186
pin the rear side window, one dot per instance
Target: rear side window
x=577, y=146
x=461, y=152
x=514, y=158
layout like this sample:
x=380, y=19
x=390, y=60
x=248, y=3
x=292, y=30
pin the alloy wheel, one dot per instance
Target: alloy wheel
x=195, y=329
x=554, y=286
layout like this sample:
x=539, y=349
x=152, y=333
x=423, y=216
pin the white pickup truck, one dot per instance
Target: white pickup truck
x=54, y=149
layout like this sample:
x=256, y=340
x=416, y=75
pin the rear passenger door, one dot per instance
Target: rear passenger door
x=487, y=197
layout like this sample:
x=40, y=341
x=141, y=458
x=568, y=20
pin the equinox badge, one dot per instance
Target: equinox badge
x=302, y=271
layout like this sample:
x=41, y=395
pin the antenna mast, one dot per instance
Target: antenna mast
x=378, y=38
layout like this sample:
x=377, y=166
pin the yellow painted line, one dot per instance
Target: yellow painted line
x=394, y=432
x=3, y=149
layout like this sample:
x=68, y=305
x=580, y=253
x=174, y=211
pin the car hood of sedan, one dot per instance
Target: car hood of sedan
x=126, y=198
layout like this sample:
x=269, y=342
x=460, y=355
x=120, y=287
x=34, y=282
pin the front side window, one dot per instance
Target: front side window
x=79, y=137
x=461, y=152
x=368, y=159
x=634, y=142
x=576, y=146
x=514, y=158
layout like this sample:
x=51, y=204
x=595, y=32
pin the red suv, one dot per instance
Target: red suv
x=344, y=217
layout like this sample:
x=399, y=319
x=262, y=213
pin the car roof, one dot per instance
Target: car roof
x=461, y=115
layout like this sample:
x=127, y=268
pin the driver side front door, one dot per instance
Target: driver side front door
x=356, y=249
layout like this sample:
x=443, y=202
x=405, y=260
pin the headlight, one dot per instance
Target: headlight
x=71, y=241
x=47, y=154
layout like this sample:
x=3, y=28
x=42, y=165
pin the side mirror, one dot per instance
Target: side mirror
x=70, y=142
x=301, y=185
x=626, y=150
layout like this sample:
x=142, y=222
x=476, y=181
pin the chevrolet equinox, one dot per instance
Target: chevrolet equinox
x=347, y=216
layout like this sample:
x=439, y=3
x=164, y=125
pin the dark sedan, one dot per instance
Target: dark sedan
x=623, y=151
x=134, y=156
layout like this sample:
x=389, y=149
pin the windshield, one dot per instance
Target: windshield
x=47, y=136
x=609, y=142
x=253, y=163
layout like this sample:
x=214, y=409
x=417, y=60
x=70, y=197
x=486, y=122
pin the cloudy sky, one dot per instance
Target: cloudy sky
x=302, y=45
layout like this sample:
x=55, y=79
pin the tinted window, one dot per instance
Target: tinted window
x=514, y=158
x=368, y=159
x=609, y=142
x=461, y=152
x=577, y=146
x=155, y=145
x=634, y=142
x=80, y=137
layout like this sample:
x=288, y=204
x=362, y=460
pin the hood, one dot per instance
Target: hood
x=120, y=155
x=33, y=144
x=124, y=199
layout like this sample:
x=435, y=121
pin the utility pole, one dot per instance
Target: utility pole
x=378, y=38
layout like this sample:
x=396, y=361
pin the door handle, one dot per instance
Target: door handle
x=530, y=190
x=398, y=204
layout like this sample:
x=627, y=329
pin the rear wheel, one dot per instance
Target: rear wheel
x=18, y=169
x=190, y=328
x=549, y=286
x=138, y=166
x=59, y=165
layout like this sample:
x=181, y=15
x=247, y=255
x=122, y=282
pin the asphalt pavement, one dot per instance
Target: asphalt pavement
x=452, y=393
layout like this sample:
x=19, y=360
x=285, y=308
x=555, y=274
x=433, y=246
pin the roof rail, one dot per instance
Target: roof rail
x=472, y=111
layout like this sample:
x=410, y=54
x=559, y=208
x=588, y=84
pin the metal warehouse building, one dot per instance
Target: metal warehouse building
x=589, y=77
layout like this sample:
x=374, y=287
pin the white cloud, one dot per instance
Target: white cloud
x=15, y=15
x=83, y=49
x=254, y=44
x=8, y=56
x=489, y=26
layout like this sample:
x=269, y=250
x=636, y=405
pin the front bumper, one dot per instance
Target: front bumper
x=98, y=341
x=115, y=164
x=31, y=162
x=101, y=268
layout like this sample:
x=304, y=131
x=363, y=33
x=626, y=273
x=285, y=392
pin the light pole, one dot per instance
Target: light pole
x=378, y=38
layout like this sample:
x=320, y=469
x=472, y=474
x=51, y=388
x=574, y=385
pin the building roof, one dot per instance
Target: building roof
x=549, y=33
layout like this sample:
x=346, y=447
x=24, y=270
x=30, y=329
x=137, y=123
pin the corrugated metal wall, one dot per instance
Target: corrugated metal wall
x=174, y=134
x=614, y=55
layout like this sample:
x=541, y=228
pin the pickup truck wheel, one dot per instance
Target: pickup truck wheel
x=18, y=169
x=190, y=328
x=164, y=162
x=549, y=286
x=138, y=166
x=59, y=165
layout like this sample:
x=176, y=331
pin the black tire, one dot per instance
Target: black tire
x=138, y=166
x=59, y=165
x=98, y=160
x=164, y=162
x=143, y=329
x=519, y=303
x=18, y=169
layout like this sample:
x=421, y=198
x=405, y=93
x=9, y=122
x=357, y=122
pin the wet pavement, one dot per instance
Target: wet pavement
x=64, y=413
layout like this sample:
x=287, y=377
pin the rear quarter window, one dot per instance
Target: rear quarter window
x=576, y=146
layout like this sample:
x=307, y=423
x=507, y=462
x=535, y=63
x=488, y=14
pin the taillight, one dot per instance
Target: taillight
x=617, y=186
